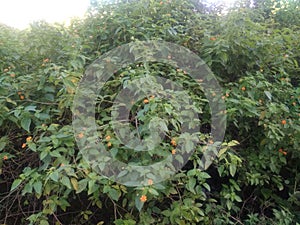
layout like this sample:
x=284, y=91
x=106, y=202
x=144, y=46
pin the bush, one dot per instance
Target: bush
x=253, y=52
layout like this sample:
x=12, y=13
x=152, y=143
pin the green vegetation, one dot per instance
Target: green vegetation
x=253, y=51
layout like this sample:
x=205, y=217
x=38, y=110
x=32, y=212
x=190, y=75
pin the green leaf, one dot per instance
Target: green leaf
x=74, y=184
x=66, y=181
x=25, y=123
x=268, y=94
x=44, y=222
x=32, y=146
x=191, y=185
x=233, y=143
x=43, y=155
x=81, y=186
x=3, y=142
x=15, y=184
x=54, y=176
x=37, y=186
x=153, y=191
x=138, y=203
x=232, y=169
x=222, y=151
x=114, y=194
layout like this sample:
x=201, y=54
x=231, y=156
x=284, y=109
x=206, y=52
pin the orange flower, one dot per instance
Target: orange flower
x=173, y=151
x=62, y=165
x=146, y=101
x=161, y=3
x=107, y=138
x=282, y=152
x=213, y=38
x=5, y=157
x=173, y=142
x=283, y=122
x=150, y=182
x=24, y=145
x=29, y=138
x=227, y=95
x=211, y=142
x=19, y=92
x=22, y=97
x=109, y=144
x=152, y=97
x=243, y=89
x=143, y=198
x=81, y=135
x=223, y=97
x=12, y=75
x=46, y=60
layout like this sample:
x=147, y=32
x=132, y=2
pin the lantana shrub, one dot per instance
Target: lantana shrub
x=254, y=52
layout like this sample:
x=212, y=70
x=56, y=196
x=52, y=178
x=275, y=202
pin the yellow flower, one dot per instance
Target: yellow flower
x=29, y=138
x=173, y=142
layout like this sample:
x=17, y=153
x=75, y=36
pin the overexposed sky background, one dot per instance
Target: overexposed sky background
x=20, y=13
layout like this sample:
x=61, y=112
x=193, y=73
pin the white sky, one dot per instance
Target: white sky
x=20, y=13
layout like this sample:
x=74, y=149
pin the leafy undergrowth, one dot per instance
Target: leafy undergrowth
x=254, y=53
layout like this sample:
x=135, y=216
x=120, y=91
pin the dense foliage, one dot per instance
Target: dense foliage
x=253, y=50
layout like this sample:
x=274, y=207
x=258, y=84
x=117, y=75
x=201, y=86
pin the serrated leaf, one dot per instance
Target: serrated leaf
x=11, y=101
x=15, y=184
x=66, y=181
x=81, y=186
x=191, y=185
x=114, y=194
x=222, y=151
x=54, y=176
x=37, y=186
x=25, y=123
x=74, y=183
x=3, y=142
x=233, y=143
x=153, y=191
x=232, y=169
